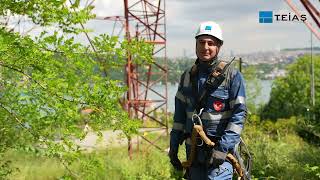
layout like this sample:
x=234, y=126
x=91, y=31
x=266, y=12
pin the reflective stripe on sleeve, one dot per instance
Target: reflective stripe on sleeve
x=186, y=80
x=238, y=100
x=234, y=127
x=183, y=98
x=180, y=96
x=178, y=126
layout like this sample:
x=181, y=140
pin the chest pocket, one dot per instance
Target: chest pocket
x=218, y=101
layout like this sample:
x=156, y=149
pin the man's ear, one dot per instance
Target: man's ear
x=196, y=48
x=220, y=44
x=218, y=49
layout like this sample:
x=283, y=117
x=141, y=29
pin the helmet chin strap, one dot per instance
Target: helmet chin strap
x=214, y=61
x=211, y=62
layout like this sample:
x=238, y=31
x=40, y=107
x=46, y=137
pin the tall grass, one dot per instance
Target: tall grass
x=111, y=163
x=278, y=153
x=30, y=166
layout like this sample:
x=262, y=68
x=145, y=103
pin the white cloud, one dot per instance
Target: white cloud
x=239, y=20
x=105, y=8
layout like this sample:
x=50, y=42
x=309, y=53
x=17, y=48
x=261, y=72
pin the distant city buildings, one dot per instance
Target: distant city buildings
x=275, y=73
x=275, y=57
x=282, y=57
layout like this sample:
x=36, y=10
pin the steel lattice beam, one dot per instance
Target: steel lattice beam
x=145, y=19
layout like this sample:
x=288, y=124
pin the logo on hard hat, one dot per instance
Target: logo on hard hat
x=218, y=105
x=210, y=28
x=207, y=28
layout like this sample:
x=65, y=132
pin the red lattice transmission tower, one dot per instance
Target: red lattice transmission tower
x=145, y=19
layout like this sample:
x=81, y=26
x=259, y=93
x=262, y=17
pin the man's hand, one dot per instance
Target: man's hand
x=174, y=160
x=217, y=158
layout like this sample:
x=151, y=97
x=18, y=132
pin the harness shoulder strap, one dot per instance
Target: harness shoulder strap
x=215, y=79
x=193, y=79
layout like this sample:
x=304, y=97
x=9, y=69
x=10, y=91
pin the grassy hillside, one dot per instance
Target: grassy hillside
x=278, y=153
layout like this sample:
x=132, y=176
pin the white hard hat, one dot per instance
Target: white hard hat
x=210, y=28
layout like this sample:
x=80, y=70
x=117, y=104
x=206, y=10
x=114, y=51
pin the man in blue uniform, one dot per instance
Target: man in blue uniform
x=223, y=114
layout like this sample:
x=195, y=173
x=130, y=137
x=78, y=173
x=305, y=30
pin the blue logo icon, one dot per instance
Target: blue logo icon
x=265, y=16
x=207, y=28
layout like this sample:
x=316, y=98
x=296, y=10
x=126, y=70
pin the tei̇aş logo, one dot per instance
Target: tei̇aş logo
x=269, y=17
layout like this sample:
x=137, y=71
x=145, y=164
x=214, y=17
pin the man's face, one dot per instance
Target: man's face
x=207, y=47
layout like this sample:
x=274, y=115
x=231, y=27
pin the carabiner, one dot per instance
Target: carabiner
x=198, y=117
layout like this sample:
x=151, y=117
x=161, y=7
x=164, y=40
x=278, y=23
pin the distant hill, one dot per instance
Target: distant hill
x=301, y=49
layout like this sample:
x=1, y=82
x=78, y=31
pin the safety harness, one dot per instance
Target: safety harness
x=215, y=79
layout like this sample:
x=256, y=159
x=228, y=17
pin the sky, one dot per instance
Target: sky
x=239, y=21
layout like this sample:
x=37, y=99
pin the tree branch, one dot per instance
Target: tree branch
x=15, y=117
x=38, y=83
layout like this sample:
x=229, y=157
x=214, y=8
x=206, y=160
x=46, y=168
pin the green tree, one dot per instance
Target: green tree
x=291, y=95
x=46, y=81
